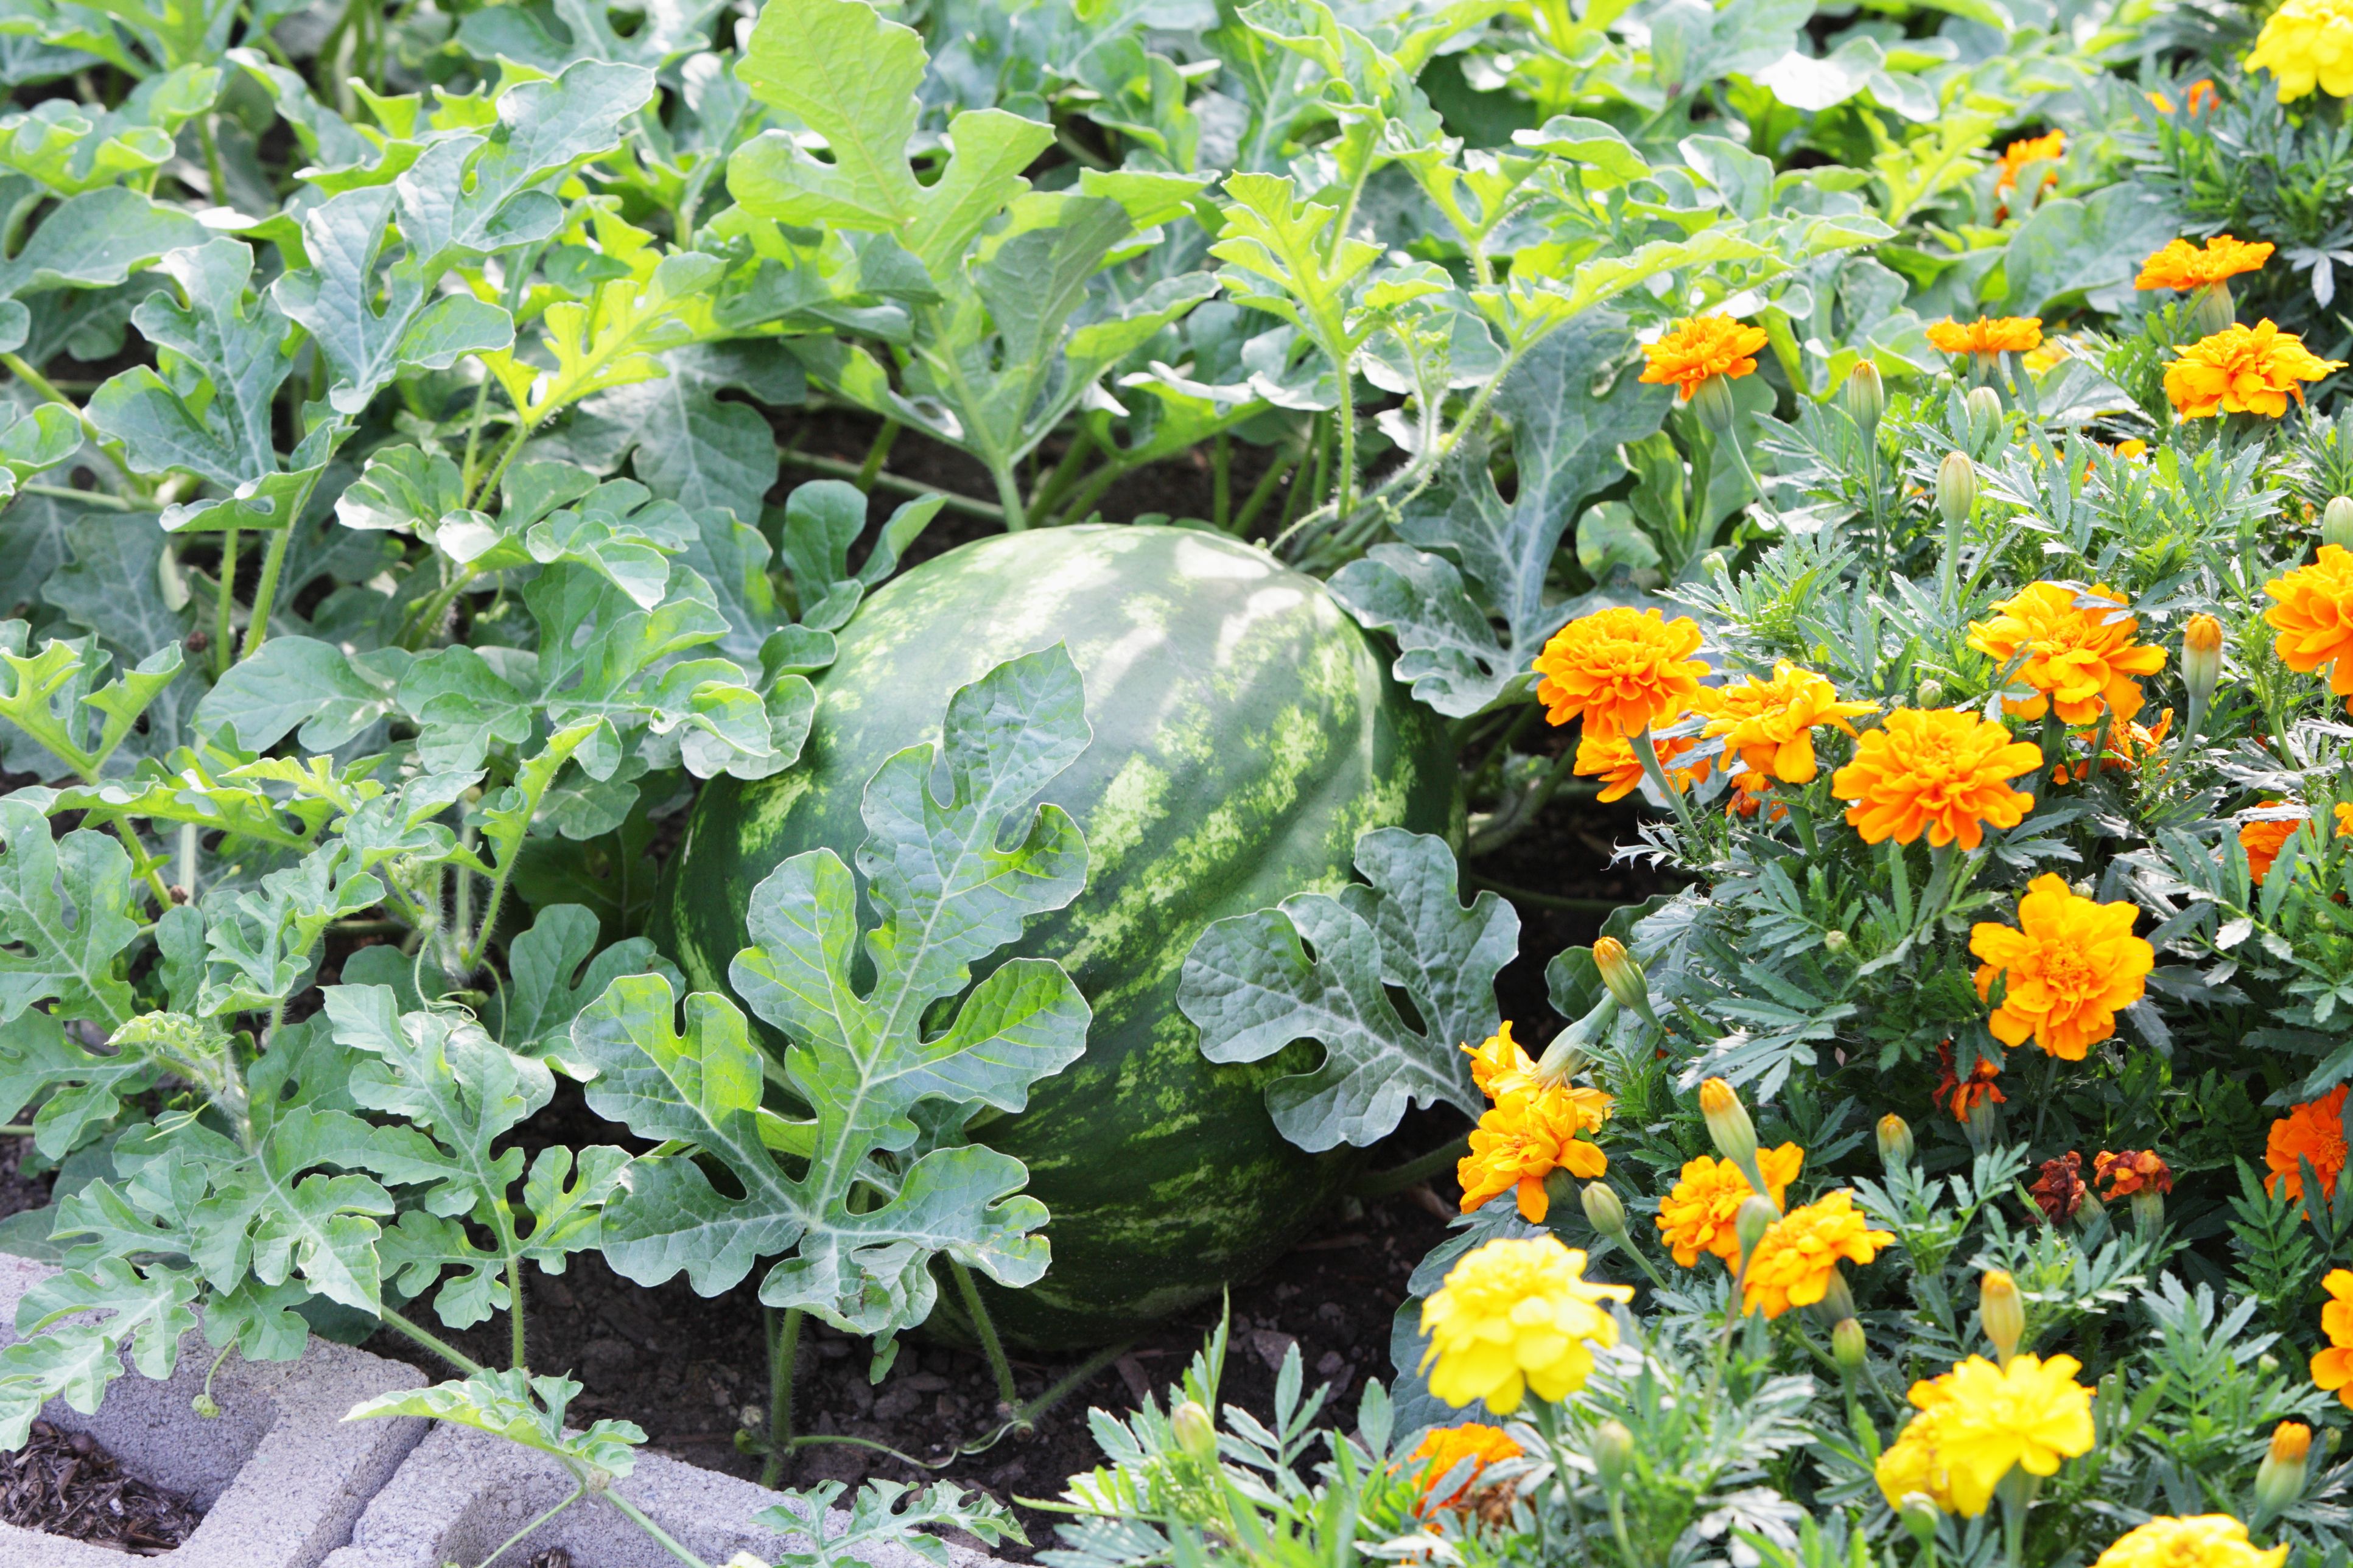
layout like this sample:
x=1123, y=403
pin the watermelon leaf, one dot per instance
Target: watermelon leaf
x=522, y=1409
x=881, y=1180
x=1320, y=968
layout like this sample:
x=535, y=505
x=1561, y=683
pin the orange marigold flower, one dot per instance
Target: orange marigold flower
x=1961, y=1096
x=1446, y=1446
x=2079, y=651
x=2181, y=265
x=2314, y=618
x=2312, y=1132
x=2243, y=370
x=2199, y=96
x=1988, y=335
x=2263, y=838
x=2332, y=1368
x=2133, y=1171
x=1527, y=1136
x=2068, y=968
x=1621, y=670
x=1697, y=1216
x=2132, y=447
x=1938, y=771
x=1611, y=759
x=2128, y=746
x=1498, y=1064
x=1793, y=1266
x=1700, y=349
x=2044, y=149
x=1769, y=724
x=2059, y=1191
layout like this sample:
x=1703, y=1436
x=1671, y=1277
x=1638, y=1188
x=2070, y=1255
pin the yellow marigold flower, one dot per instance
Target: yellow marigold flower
x=2181, y=265
x=2030, y=1416
x=2071, y=965
x=2048, y=148
x=1769, y=724
x=2132, y=447
x=1621, y=670
x=1942, y=772
x=1446, y=1446
x=1697, y=1216
x=2243, y=370
x=1527, y=1136
x=1988, y=335
x=2206, y=1540
x=2311, y=1133
x=1516, y=1316
x=1795, y=1263
x=2332, y=1368
x=1912, y=1462
x=1498, y=1064
x=1700, y=349
x=2314, y=618
x=1611, y=759
x=2080, y=653
x=2308, y=44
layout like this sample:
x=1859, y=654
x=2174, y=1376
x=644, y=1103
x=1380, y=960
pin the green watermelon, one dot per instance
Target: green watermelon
x=1245, y=733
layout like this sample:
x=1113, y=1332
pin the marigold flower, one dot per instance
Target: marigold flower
x=2332, y=1368
x=1527, y=1136
x=2307, y=44
x=1942, y=772
x=1769, y=724
x=1700, y=349
x=1988, y=1419
x=2243, y=370
x=1446, y=1446
x=2314, y=1133
x=1500, y=1064
x=2314, y=618
x=2129, y=745
x=1795, y=1263
x=1621, y=670
x=2181, y=265
x=1912, y=1462
x=2199, y=96
x=2206, y=1540
x=1950, y=1091
x=2047, y=148
x=2069, y=967
x=2133, y=1171
x=1611, y=759
x=1697, y=1216
x=2080, y=656
x=1988, y=335
x=1516, y=1316
x=2059, y=1191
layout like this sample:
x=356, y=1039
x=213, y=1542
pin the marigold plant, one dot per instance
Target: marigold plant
x=1988, y=1420
x=1696, y=1217
x=1612, y=759
x=2179, y=264
x=1443, y=1447
x=2067, y=968
x=2332, y=1366
x=2307, y=44
x=2314, y=618
x=1988, y=335
x=2049, y=147
x=1768, y=724
x=2206, y=1541
x=2311, y=1133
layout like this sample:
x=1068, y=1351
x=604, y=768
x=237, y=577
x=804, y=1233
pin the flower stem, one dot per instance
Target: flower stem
x=1646, y=751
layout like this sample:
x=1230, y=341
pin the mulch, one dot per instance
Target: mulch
x=65, y=1484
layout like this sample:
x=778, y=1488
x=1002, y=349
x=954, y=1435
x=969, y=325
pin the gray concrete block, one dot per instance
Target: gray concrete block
x=281, y=1474
x=462, y=1493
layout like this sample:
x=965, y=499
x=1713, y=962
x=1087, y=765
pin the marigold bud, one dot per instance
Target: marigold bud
x=1984, y=1121
x=1834, y=942
x=2201, y=657
x=1864, y=396
x=1920, y=1516
x=2004, y=1311
x=1612, y=1453
x=1931, y=694
x=1895, y=1143
x=1622, y=974
x=1984, y=405
x=1603, y=1210
x=1957, y=489
x=2279, y=1479
x=1728, y=1124
x=1195, y=1433
x=1848, y=1347
x=1755, y=1217
x=1712, y=401
x=2337, y=522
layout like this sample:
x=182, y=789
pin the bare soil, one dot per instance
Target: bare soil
x=65, y=1484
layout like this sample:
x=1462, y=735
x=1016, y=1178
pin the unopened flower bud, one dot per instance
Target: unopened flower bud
x=2337, y=522
x=1837, y=1304
x=1864, y=396
x=1755, y=1217
x=1834, y=942
x=1931, y=694
x=2004, y=1311
x=1728, y=1124
x=1195, y=1433
x=1622, y=974
x=1712, y=401
x=1957, y=489
x=2279, y=1479
x=1895, y=1143
x=1984, y=405
x=1848, y=1347
x=2201, y=657
x=1612, y=1453
x=1603, y=1210
x=1920, y=1516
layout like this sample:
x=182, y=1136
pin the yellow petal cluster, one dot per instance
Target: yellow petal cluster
x=1978, y=1421
x=1446, y=1446
x=2243, y=370
x=1793, y=1266
x=1611, y=759
x=2203, y=1540
x=2307, y=44
x=1988, y=335
x=2069, y=966
x=1769, y=724
x=1700, y=349
x=1515, y=1317
x=2181, y=265
x=2078, y=650
x=1533, y=1128
x=1698, y=1216
x=2314, y=617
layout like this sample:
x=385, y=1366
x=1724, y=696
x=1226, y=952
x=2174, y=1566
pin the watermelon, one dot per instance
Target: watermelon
x=1245, y=733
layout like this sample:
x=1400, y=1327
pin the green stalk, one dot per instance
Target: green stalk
x=1646, y=751
x=1221, y=481
x=784, y=1350
x=520, y=1536
x=876, y=452
x=987, y=1331
x=212, y=159
x=431, y=1342
x=225, y=607
x=514, y=1293
x=1008, y=497
x=257, y=627
x=629, y=1512
x=967, y=505
x=1396, y=1178
x=1259, y=492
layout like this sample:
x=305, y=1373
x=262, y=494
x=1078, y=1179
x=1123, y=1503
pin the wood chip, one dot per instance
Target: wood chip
x=65, y=1484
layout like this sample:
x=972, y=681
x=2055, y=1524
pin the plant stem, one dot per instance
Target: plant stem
x=514, y=444
x=987, y=1331
x=1221, y=481
x=225, y=606
x=1260, y=491
x=83, y=498
x=1057, y=483
x=431, y=1342
x=514, y=1295
x=893, y=483
x=1344, y=493
x=629, y=1512
x=525, y=1534
x=256, y=625
x=1646, y=751
x=1396, y=1178
x=1543, y=900
x=212, y=159
x=875, y=453
x=784, y=1350
x=1008, y=498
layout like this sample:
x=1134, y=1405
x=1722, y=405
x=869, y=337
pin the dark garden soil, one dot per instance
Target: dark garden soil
x=66, y=1485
